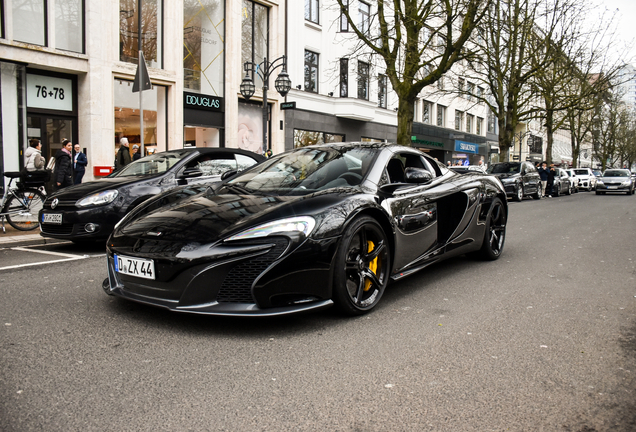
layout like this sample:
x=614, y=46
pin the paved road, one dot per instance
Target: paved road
x=543, y=339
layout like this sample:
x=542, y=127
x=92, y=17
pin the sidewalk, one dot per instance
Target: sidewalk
x=13, y=236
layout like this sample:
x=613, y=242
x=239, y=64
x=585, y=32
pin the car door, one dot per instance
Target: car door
x=209, y=167
x=531, y=178
x=412, y=207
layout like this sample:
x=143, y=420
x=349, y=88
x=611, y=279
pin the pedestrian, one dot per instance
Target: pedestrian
x=63, y=175
x=544, y=174
x=33, y=159
x=550, y=183
x=268, y=153
x=136, y=154
x=123, y=154
x=79, y=164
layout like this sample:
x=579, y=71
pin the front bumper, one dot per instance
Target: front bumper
x=75, y=223
x=261, y=278
x=613, y=187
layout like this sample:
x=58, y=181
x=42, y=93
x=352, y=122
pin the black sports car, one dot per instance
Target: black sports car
x=306, y=229
x=89, y=211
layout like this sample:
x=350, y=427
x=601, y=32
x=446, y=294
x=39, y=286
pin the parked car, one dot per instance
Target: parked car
x=615, y=180
x=463, y=169
x=310, y=228
x=518, y=178
x=587, y=179
x=597, y=173
x=562, y=183
x=573, y=179
x=89, y=211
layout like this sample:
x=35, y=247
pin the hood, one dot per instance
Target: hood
x=505, y=175
x=84, y=189
x=207, y=218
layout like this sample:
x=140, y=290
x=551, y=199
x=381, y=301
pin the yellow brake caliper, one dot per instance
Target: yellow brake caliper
x=373, y=265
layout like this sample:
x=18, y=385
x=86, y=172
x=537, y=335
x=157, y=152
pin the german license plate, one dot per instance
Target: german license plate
x=612, y=187
x=139, y=267
x=52, y=218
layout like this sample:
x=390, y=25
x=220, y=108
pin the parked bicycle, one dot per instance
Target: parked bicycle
x=21, y=205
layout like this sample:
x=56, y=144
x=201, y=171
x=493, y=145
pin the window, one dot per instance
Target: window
x=344, y=77
x=440, y=83
x=364, y=11
x=426, y=112
x=382, y=84
x=311, y=71
x=151, y=34
x=480, y=125
x=480, y=95
x=470, y=119
x=344, y=23
x=69, y=25
x=311, y=11
x=203, y=46
x=460, y=85
x=441, y=115
x=363, y=80
x=29, y=22
x=459, y=119
x=304, y=138
x=492, y=121
x=470, y=91
x=254, y=35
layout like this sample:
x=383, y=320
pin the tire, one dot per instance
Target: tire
x=495, y=234
x=23, y=210
x=569, y=190
x=557, y=191
x=598, y=193
x=519, y=195
x=360, y=275
x=537, y=194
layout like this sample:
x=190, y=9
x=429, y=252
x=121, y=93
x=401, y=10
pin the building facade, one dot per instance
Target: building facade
x=67, y=71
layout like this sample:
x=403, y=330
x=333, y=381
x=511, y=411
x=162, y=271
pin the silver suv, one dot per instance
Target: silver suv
x=587, y=179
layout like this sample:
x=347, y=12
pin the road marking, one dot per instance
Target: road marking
x=68, y=257
x=48, y=252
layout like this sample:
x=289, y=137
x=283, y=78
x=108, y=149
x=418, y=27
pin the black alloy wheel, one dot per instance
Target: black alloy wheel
x=495, y=234
x=557, y=189
x=362, y=267
x=537, y=195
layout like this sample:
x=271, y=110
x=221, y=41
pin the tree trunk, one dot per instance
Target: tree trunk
x=405, y=121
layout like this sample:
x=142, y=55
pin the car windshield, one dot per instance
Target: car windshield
x=307, y=170
x=615, y=173
x=581, y=172
x=155, y=164
x=504, y=168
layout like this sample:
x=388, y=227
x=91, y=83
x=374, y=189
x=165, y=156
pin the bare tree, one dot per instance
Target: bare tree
x=418, y=41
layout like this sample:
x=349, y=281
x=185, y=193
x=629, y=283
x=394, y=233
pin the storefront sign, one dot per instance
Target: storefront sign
x=202, y=102
x=466, y=147
x=50, y=93
x=414, y=140
x=288, y=105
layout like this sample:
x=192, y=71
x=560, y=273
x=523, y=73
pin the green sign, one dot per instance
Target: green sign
x=288, y=105
x=426, y=143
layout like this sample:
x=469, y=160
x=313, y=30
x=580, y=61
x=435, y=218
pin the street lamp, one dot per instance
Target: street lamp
x=520, y=136
x=264, y=70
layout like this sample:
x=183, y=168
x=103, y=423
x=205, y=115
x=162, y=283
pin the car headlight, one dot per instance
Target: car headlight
x=99, y=198
x=301, y=224
x=627, y=183
x=507, y=180
x=599, y=181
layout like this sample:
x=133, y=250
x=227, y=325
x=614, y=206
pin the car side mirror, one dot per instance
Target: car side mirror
x=191, y=172
x=417, y=175
x=227, y=174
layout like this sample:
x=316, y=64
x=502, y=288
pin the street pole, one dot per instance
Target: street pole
x=265, y=114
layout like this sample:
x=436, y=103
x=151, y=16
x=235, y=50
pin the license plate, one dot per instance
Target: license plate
x=52, y=218
x=143, y=268
x=612, y=187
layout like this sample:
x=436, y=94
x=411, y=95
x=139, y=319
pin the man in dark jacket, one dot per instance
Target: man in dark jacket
x=550, y=184
x=79, y=164
x=63, y=175
x=123, y=155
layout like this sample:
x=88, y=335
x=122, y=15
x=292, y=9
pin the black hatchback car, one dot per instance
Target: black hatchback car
x=518, y=178
x=89, y=211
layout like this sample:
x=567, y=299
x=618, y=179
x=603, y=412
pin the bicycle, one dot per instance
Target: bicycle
x=21, y=205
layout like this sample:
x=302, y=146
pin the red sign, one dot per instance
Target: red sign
x=101, y=171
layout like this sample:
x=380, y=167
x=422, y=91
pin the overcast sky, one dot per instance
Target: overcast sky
x=625, y=20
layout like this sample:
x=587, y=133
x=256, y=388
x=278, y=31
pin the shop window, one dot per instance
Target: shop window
x=311, y=11
x=203, y=46
x=304, y=138
x=69, y=25
x=151, y=35
x=29, y=21
x=127, y=117
x=363, y=80
x=254, y=35
x=311, y=71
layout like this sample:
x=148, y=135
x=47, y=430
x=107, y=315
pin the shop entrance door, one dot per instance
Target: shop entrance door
x=51, y=131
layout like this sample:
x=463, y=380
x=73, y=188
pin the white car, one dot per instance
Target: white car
x=587, y=179
x=573, y=179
